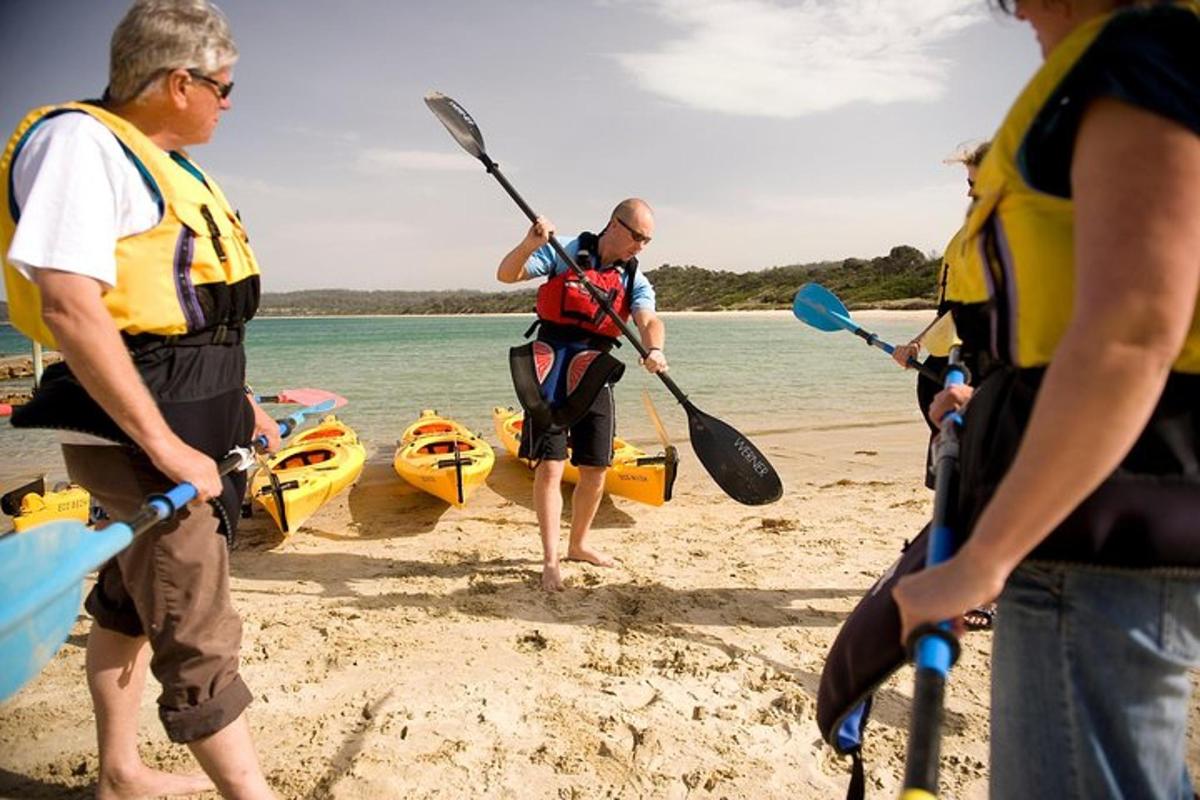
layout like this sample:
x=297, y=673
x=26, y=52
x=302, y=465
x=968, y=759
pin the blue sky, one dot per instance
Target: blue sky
x=763, y=132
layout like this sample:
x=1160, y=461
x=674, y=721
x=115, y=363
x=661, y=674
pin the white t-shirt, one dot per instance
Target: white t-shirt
x=77, y=193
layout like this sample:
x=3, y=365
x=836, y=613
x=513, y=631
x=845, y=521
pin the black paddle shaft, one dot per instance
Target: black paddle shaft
x=737, y=466
x=758, y=486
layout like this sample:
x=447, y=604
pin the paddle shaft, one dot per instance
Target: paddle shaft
x=597, y=295
x=934, y=654
x=813, y=297
x=875, y=341
x=748, y=478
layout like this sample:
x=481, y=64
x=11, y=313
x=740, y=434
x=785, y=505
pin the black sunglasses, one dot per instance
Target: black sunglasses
x=223, y=89
x=638, y=236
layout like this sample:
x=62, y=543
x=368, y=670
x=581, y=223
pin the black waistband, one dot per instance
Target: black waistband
x=1142, y=515
x=221, y=335
x=554, y=332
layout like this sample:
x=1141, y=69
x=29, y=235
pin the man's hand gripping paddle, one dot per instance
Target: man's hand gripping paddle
x=737, y=466
x=42, y=569
x=821, y=308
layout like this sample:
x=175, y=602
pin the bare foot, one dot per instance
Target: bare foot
x=146, y=782
x=551, y=578
x=597, y=557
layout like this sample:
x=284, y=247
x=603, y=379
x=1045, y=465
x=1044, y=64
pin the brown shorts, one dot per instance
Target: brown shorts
x=172, y=586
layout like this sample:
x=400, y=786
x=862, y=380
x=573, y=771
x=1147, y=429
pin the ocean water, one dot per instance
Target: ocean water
x=757, y=371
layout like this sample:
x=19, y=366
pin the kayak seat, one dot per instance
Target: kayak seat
x=323, y=433
x=305, y=459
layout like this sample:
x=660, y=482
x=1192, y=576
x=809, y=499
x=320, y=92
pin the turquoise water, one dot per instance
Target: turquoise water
x=755, y=371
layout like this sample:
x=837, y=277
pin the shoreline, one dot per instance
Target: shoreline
x=879, y=312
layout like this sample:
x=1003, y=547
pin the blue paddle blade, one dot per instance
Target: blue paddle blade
x=817, y=306
x=41, y=584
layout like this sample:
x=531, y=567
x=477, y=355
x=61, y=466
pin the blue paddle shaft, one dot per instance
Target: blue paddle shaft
x=820, y=308
x=934, y=654
x=42, y=571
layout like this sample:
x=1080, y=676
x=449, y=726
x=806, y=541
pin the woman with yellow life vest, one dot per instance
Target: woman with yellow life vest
x=940, y=334
x=1080, y=461
x=123, y=254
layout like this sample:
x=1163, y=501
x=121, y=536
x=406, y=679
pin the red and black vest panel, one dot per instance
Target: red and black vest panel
x=564, y=300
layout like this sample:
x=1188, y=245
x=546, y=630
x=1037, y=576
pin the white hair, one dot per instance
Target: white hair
x=157, y=36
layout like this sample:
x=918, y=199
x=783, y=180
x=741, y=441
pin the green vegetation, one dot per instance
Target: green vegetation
x=904, y=278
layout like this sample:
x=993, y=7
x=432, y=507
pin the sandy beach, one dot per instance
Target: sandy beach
x=398, y=648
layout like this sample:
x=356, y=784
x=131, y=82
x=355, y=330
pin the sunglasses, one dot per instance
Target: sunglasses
x=223, y=89
x=637, y=236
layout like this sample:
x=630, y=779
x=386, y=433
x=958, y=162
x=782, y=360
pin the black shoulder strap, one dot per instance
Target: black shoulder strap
x=631, y=267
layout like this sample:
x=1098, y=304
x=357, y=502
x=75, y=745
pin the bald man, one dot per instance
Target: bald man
x=573, y=337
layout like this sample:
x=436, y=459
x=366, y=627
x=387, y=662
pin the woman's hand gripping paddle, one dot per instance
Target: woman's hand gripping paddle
x=42, y=569
x=737, y=466
x=817, y=306
x=934, y=648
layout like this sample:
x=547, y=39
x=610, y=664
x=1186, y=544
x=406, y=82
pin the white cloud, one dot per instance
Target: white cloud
x=241, y=186
x=321, y=135
x=756, y=230
x=775, y=59
x=381, y=159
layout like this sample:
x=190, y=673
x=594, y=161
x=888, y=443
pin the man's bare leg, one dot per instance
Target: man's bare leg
x=584, y=504
x=547, y=502
x=229, y=757
x=116, y=674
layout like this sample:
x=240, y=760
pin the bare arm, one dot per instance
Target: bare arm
x=92, y=346
x=1137, y=254
x=512, y=266
x=653, y=336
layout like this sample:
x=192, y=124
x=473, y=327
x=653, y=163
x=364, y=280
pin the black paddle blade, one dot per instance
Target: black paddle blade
x=738, y=467
x=458, y=122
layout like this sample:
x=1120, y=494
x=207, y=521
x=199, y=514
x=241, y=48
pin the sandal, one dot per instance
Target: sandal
x=980, y=619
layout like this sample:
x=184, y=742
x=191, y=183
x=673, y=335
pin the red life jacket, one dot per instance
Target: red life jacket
x=563, y=300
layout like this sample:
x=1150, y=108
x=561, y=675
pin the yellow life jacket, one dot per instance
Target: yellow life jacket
x=192, y=271
x=1020, y=241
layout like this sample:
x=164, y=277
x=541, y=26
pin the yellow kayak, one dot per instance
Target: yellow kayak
x=634, y=473
x=442, y=457
x=30, y=505
x=308, y=473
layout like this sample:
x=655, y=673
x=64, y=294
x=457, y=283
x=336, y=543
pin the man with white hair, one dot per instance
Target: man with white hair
x=123, y=254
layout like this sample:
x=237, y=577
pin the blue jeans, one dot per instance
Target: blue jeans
x=1090, y=684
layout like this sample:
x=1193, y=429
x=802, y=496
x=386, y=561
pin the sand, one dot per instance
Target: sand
x=398, y=648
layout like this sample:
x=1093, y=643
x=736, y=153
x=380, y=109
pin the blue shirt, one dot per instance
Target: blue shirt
x=545, y=263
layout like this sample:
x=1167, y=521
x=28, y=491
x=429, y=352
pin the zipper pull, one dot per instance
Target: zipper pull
x=214, y=232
